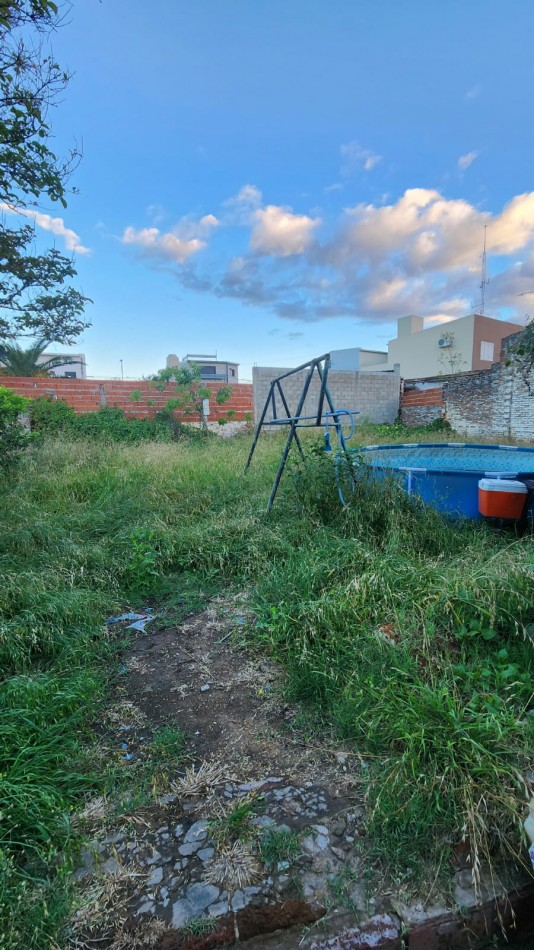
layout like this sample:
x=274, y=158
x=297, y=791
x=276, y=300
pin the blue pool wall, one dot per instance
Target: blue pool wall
x=452, y=490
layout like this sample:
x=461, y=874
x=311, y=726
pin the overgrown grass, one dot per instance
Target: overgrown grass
x=109, y=424
x=410, y=632
x=406, y=631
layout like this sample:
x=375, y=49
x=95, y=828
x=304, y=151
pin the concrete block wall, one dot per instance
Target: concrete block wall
x=89, y=395
x=375, y=395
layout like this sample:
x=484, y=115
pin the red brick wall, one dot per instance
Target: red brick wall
x=88, y=395
x=422, y=406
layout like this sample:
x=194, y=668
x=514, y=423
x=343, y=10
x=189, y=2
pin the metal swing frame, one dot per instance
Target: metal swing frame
x=321, y=366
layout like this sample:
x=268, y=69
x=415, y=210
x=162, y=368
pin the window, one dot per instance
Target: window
x=208, y=370
x=232, y=372
x=70, y=375
x=486, y=351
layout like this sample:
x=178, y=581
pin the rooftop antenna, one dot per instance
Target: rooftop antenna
x=484, y=279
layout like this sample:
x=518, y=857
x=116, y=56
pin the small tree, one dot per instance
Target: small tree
x=450, y=356
x=190, y=391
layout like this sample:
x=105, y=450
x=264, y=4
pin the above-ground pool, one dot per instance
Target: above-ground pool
x=446, y=474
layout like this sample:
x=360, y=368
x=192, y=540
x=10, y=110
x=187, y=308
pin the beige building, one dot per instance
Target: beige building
x=472, y=342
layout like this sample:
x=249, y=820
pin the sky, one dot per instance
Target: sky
x=270, y=180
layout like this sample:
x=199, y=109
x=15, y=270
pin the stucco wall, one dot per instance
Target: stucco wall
x=420, y=356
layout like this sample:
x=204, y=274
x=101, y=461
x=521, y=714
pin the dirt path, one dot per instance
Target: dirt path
x=258, y=840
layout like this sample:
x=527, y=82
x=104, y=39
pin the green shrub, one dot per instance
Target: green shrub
x=109, y=424
x=14, y=437
x=51, y=416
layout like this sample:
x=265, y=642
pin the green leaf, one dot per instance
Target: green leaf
x=488, y=634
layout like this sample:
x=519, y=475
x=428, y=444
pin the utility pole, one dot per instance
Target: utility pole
x=484, y=280
x=122, y=371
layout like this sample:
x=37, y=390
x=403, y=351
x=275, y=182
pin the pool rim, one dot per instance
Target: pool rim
x=493, y=473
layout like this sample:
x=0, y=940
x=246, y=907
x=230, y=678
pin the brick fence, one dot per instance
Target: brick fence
x=419, y=407
x=138, y=398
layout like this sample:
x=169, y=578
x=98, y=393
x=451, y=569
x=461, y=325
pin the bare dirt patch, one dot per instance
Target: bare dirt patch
x=227, y=701
x=187, y=863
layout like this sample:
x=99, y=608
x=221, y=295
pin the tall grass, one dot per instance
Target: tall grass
x=87, y=529
x=410, y=633
x=84, y=530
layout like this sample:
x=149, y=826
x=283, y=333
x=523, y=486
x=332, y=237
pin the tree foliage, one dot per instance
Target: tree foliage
x=190, y=391
x=34, y=296
x=19, y=361
x=521, y=355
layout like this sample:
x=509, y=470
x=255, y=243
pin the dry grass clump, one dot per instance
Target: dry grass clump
x=234, y=867
x=202, y=780
x=101, y=911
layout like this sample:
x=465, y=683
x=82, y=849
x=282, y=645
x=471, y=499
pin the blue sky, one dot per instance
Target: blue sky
x=270, y=180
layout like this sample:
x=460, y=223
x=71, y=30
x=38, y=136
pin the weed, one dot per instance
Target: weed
x=342, y=887
x=168, y=746
x=201, y=926
x=201, y=780
x=279, y=845
x=235, y=824
x=234, y=867
x=143, y=561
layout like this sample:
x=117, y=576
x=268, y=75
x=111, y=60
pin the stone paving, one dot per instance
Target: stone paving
x=178, y=859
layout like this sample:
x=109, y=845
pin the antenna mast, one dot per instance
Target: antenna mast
x=484, y=279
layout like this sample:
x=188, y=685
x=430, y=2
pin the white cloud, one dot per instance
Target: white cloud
x=48, y=223
x=513, y=229
x=355, y=157
x=466, y=160
x=188, y=237
x=189, y=228
x=247, y=195
x=376, y=262
x=166, y=246
x=280, y=233
x=430, y=232
x=240, y=208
